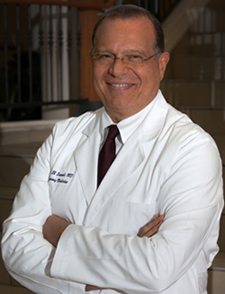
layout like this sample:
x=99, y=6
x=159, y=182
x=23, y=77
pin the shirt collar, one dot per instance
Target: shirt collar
x=127, y=126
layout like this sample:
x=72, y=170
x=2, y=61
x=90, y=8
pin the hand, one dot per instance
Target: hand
x=152, y=227
x=92, y=288
x=53, y=228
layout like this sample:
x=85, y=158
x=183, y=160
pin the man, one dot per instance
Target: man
x=69, y=234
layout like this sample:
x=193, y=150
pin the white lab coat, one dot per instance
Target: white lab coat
x=168, y=165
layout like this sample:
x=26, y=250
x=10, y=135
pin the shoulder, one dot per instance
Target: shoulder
x=181, y=128
x=182, y=137
x=75, y=124
x=185, y=131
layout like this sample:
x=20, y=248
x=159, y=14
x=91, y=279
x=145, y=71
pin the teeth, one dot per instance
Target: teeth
x=120, y=85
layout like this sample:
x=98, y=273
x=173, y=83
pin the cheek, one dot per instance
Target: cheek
x=98, y=82
x=96, y=79
x=153, y=76
x=148, y=80
x=149, y=83
x=98, y=76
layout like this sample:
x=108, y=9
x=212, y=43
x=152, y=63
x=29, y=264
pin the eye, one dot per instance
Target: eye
x=134, y=58
x=105, y=56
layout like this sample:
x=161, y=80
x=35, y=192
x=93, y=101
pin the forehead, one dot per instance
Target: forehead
x=134, y=33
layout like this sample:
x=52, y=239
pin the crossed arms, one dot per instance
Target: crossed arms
x=55, y=226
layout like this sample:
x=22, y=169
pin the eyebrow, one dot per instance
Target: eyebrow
x=136, y=51
x=131, y=51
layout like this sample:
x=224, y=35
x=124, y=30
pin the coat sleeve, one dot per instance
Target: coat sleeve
x=27, y=255
x=191, y=198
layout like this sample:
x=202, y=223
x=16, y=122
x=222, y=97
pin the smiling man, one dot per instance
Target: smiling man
x=126, y=199
x=126, y=86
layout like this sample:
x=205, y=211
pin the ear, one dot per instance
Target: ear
x=163, y=60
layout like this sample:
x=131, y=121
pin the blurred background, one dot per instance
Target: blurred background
x=45, y=76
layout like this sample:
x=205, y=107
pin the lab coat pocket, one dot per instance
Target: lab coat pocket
x=128, y=217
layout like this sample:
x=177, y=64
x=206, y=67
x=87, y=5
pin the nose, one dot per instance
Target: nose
x=118, y=67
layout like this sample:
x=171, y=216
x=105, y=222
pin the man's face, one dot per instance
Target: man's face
x=124, y=90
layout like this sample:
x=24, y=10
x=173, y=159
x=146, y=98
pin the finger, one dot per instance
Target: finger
x=153, y=222
x=150, y=231
x=151, y=225
x=91, y=288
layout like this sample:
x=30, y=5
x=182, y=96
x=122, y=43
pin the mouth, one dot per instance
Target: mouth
x=120, y=86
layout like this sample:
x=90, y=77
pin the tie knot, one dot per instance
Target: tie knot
x=113, y=132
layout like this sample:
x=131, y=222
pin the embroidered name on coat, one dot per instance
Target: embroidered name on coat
x=60, y=177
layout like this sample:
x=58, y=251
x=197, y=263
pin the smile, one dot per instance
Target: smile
x=124, y=86
x=120, y=85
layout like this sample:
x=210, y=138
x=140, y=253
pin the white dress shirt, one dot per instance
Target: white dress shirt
x=126, y=127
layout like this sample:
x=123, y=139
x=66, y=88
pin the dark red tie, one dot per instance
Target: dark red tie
x=107, y=153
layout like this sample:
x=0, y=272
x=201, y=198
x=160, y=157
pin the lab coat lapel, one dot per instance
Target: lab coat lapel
x=130, y=157
x=113, y=179
x=86, y=158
